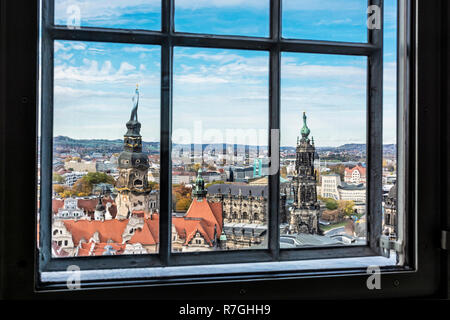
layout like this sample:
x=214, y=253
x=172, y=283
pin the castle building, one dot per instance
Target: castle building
x=305, y=213
x=132, y=183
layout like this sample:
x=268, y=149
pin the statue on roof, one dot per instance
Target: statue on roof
x=135, y=100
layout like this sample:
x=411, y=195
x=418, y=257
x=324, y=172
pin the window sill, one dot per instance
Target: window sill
x=222, y=270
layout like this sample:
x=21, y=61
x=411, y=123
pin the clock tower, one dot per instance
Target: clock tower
x=132, y=183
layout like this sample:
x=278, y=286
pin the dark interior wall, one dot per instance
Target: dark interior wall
x=18, y=108
x=19, y=38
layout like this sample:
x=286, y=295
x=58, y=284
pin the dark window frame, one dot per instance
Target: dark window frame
x=425, y=268
x=167, y=38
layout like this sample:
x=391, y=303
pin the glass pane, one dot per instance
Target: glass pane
x=130, y=14
x=105, y=149
x=220, y=164
x=225, y=17
x=332, y=20
x=390, y=121
x=323, y=150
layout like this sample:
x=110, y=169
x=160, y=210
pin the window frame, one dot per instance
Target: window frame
x=422, y=271
x=167, y=38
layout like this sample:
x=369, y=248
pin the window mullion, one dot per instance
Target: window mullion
x=375, y=132
x=165, y=223
x=274, y=126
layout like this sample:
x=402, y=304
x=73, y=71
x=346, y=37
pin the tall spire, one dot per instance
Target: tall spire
x=199, y=188
x=305, y=130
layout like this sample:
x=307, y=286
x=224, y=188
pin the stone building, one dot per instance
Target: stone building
x=70, y=210
x=132, y=183
x=305, y=212
x=390, y=213
x=241, y=203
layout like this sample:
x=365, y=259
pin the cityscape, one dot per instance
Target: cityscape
x=106, y=194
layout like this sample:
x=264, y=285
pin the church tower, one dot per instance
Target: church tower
x=199, y=192
x=304, y=217
x=132, y=183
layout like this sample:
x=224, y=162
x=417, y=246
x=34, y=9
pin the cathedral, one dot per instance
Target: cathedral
x=132, y=184
x=305, y=212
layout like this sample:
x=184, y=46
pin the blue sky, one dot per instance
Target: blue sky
x=219, y=90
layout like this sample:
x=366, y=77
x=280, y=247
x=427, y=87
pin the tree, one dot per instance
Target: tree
x=338, y=169
x=98, y=177
x=346, y=207
x=183, y=204
x=195, y=167
x=154, y=185
x=331, y=204
x=82, y=186
x=283, y=172
x=58, y=178
x=57, y=188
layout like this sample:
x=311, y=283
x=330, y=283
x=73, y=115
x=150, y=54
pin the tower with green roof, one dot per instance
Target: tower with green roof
x=305, y=216
x=199, y=191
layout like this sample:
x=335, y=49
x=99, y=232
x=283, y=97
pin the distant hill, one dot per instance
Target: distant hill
x=63, y=142
x=99, y=144
x=350, y=148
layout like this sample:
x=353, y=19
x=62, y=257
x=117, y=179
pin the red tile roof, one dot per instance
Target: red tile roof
x=88, y=205
x=108, y=230
x=99, y=248
x=362, y=170
x=202, y=216
x=145, y=235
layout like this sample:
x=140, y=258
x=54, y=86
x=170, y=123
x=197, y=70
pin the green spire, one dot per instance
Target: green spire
x=305, y=130
x=199, y=188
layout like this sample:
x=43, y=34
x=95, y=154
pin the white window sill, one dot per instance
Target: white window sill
x=229, y=269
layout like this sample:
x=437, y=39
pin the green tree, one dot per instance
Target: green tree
x=183, y=204
x=346, y=207
x=331, y=204
x=58, y=178
x=98, y=177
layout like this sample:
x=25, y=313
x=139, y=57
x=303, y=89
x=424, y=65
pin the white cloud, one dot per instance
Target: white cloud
x=90, y=73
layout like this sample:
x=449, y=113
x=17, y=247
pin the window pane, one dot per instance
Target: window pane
x=323, y=150
x=333, y=20
x=237, y=17
x=390, y=121
x=220, y=125
x=130, y=14
x=105, y=149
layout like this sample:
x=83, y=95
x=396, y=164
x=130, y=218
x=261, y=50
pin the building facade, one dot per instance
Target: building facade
x=355, y=175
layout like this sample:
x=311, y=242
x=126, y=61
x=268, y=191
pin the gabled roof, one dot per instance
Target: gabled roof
x=208, y=211
x=361, y=170
x=187, y=228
